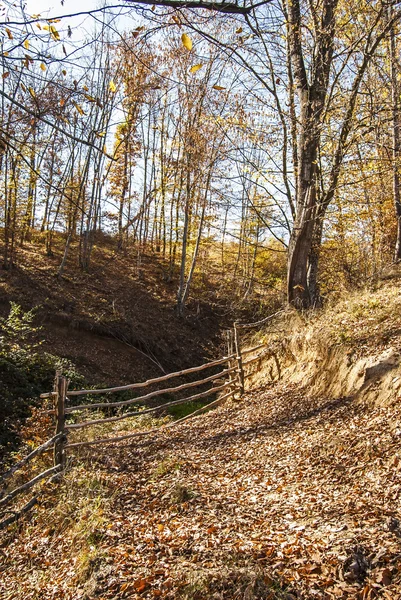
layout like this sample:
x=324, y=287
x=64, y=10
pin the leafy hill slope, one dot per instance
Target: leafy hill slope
x=116, y=321
x=280, y=496
x=290, y=493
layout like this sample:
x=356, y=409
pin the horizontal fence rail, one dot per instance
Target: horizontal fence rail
x=37, y=452
x=149, y=431
x=226, y=382
x=142, y=399
x=149, y=382
x=18, y=514
x=139, y=413
x=28, y=485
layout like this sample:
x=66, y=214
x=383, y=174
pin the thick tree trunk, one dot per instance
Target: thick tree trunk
x=298, y=254
x=311, y=96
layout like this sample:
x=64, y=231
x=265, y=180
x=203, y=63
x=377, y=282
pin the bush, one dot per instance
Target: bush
x=25, y=372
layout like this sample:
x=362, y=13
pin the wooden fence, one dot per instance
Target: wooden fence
x=230, y=379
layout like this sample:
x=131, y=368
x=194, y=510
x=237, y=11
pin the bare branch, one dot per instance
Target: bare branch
x=222, y=7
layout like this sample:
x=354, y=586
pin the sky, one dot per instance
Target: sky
x=81, y=25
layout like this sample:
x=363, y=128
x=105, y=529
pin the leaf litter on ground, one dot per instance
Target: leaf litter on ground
x=277, y=496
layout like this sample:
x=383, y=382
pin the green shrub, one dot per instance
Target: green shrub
x=25, y=372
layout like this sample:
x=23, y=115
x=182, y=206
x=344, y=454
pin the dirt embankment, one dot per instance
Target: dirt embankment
x=350, y=350
x=117, y=323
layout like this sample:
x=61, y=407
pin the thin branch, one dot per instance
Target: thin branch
x=18, y=514
x=38, y=116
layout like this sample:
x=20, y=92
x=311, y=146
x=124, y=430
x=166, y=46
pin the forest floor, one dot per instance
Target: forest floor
x=278, y=496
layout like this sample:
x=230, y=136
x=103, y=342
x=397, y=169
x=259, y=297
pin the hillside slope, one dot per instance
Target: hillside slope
x=117, y=323
x=351, y=348
x=291, y=493
x=281, y=496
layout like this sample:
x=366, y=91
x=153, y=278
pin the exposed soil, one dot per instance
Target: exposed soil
x=117, y=322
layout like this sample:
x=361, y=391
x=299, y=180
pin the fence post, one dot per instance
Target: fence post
x=60, y=389
x=239, y=360
x=230, y=352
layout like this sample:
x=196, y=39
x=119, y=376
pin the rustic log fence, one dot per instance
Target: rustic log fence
x=230, y=382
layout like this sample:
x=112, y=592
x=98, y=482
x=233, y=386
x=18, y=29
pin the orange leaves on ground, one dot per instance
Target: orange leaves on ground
x=285, y=487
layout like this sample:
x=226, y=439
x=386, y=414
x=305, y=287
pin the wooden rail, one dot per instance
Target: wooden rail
x=142, y=399
x=149, y=382
x=149, y=431
x=18, y=514
x=29, y=484
x=60, y=395
x=37, y=452
x=139, y=413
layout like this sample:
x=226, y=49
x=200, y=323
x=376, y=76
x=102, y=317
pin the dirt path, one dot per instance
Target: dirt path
x=280, y=496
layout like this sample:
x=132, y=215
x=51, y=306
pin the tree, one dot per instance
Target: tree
x=325, y=61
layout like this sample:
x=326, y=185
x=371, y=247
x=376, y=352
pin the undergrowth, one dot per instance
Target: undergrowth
x=25, y=372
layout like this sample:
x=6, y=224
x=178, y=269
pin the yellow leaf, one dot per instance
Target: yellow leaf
x=100, y=134
x=160, y=527
x=64, y=72
x=112, y=86
x=186, y=41
x=43, y=66
x=38, y=25
x=26, y=44
x=54, y=32
x=62, y=102
x=23, y=87
x=136, y=31
x=32, y=92
x=195, y=68
x=46, y=27
x=218, y=87
x=239, y=30
x=86, y=89
x=5, y=75
x=79, y=108
x=10, y=35
x=90, y=98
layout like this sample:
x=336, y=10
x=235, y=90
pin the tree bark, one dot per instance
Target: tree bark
x=396, y=118
x=311, y=97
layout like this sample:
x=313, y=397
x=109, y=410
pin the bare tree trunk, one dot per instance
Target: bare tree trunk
x=180, y=292
x=396, y=118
